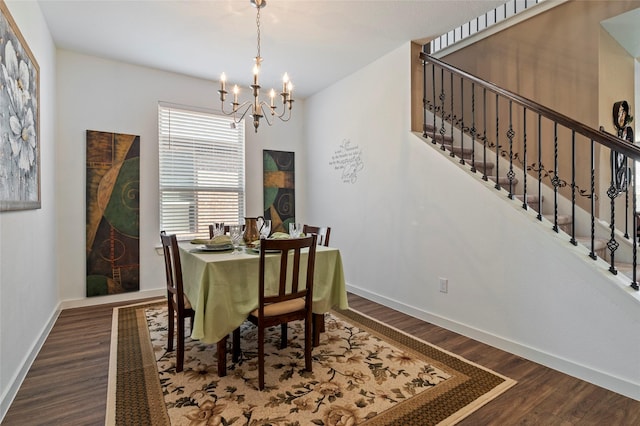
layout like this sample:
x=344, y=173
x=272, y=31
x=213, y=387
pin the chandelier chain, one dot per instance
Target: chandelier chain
x=258, y=26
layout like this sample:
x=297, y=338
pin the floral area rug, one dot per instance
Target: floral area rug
x=364, y=372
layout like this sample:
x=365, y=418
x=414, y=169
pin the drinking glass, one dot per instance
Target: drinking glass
x=235, y=232
x=218, y=229
x=295, y=229
x=265, y=231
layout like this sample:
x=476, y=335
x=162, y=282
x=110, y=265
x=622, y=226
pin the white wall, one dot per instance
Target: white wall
x=414, y=215
x=104, y=95
x=28, y=288
x=634, y=124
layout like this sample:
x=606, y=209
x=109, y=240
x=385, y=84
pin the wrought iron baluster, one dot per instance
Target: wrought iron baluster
x=634, y=278
x=497, y=166
x=452, y=116
x=593, y=199
x=539, y=163
x=473, y=127
x=555, y=181
x=573, y=188
x=524, y=157
x=442, y=114
x=484, y=134
x=510, y=134
x=612, y=193
x=433, y=78
x=424, y=98
x=461, y=122
x=626, y=202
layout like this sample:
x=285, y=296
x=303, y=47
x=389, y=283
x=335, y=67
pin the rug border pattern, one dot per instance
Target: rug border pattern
x=471, y=386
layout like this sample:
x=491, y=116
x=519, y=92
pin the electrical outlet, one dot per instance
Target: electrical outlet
x=444, y=285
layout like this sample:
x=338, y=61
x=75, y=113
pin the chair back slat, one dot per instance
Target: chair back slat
x=287, y=248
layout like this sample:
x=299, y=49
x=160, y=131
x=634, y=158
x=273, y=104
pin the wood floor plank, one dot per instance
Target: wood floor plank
x=67, y=383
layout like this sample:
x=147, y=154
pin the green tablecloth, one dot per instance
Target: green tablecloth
x=223, y=287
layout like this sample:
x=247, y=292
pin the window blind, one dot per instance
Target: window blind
x=202, y=172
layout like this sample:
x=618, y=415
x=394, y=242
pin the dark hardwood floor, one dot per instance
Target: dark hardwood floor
x=67, y=383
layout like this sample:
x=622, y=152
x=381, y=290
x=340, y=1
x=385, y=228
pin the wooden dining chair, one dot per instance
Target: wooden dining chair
x=178, y=303
x=282, y=305
x=323, y=233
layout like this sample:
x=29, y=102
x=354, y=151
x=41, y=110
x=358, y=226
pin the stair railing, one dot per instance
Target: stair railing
x=495, y=123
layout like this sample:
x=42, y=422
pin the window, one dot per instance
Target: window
x=201, y=170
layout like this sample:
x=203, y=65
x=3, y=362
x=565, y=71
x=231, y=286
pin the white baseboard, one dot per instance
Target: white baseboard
x=16, y=381
x=566, y=366
x=112, y=298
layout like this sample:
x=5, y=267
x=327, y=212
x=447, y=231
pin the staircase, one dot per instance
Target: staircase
x=483, y=161
x=447, y=142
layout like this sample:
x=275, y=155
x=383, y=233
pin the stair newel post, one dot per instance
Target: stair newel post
x=497, y=186
x=462, y=122
x=484, y=134
x=555, y=181
x=510, y=137
x=573, y=188
x=524, y=155
x=452, y=116
x=473, y=127
x=442, y=98
x=539, y=163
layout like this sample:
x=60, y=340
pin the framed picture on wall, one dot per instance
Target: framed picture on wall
x=19, y=119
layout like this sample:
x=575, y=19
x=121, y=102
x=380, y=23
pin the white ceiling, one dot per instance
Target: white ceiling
x=625, y=29
x=316, y=42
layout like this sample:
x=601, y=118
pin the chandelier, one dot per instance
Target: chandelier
x=258, y=106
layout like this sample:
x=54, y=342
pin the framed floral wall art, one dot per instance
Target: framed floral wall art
x=19, y=119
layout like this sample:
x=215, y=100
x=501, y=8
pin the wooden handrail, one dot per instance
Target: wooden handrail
x=604, y=138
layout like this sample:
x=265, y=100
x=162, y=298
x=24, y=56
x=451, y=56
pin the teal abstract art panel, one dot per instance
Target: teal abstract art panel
x=279, y=189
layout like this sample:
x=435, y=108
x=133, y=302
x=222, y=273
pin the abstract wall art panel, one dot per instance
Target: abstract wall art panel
x=279, y=189
x=113, y=213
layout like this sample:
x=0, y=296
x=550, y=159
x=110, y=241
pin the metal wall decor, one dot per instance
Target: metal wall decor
x=621, y=120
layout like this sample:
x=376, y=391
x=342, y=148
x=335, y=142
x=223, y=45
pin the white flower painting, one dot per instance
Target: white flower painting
x=19, y=113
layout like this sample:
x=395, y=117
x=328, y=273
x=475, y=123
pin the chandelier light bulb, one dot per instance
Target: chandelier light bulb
x=256, y=71
x=223, y=80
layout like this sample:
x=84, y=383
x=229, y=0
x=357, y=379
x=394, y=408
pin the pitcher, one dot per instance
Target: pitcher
x=252, y=227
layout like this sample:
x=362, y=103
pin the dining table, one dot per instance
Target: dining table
x=222, y=287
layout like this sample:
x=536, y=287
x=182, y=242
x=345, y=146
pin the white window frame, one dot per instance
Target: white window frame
x=201, y=170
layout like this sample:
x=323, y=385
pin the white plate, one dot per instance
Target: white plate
x=257, y=250
x=220, y=248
